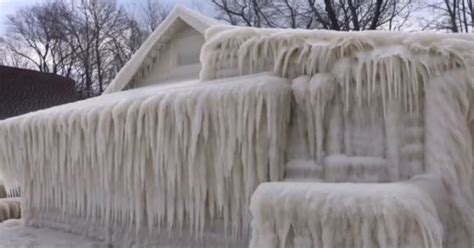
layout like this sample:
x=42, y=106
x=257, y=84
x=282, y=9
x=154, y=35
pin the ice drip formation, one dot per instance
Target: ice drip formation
x=290, y=138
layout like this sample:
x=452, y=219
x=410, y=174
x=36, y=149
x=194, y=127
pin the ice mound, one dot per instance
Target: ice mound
x=10, y=209
x=13, y=233
x=342, y=215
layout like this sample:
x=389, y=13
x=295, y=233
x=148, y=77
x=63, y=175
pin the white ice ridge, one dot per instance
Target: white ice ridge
x=174, y=157
x=402, y=58
x=393, y=65
x=343, y=215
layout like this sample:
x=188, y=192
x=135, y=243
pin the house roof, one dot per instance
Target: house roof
x=23, y=91
x=150, y=48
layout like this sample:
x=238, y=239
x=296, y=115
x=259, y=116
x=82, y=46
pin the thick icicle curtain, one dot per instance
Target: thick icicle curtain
x=177, y=156
x=425, y=74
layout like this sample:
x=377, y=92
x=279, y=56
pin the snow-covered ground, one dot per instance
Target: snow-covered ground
x=14, y=234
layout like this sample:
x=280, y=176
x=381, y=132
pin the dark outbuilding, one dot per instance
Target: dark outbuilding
x=23, y=91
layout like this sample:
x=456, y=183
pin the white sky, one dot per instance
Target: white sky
x=8, y=7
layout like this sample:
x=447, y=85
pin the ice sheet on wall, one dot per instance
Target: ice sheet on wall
x=172, y=157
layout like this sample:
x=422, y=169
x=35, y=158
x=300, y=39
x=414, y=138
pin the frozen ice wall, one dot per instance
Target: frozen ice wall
x=367, y=107
x=176, y=158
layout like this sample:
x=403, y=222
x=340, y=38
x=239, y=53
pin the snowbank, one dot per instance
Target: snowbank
x=14, y=234
x=343, y=215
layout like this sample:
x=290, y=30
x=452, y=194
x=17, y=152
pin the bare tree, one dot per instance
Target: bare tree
x=13, y=59
x=454, y=15
x=152, y=13
x=325, y=14
x=87, y=40
x=244, y=12
x=94, y=27
x=34, y=34
x=9, y=58
x=3, y=52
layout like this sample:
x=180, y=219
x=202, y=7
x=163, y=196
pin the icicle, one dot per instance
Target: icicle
x=108, y=151
x=331, y=207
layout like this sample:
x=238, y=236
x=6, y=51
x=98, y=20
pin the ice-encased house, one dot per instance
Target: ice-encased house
x=286, y=138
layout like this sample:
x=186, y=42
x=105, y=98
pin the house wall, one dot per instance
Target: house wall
x=179, y=60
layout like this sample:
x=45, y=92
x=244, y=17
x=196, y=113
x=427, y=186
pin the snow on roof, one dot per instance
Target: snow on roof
x=293, y=52
x=150, y=49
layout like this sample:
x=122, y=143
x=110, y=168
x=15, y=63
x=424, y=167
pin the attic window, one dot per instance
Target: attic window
x=188, y=57
x=188, y=50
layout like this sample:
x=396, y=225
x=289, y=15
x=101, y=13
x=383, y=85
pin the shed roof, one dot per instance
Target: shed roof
x=23, y=91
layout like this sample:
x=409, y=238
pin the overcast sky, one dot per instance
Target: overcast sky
x=9, y=6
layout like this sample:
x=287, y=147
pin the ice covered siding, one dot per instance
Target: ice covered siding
x=177, y=158
x=368, y=107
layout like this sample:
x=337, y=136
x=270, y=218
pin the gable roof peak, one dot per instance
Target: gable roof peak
x=192, y=18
